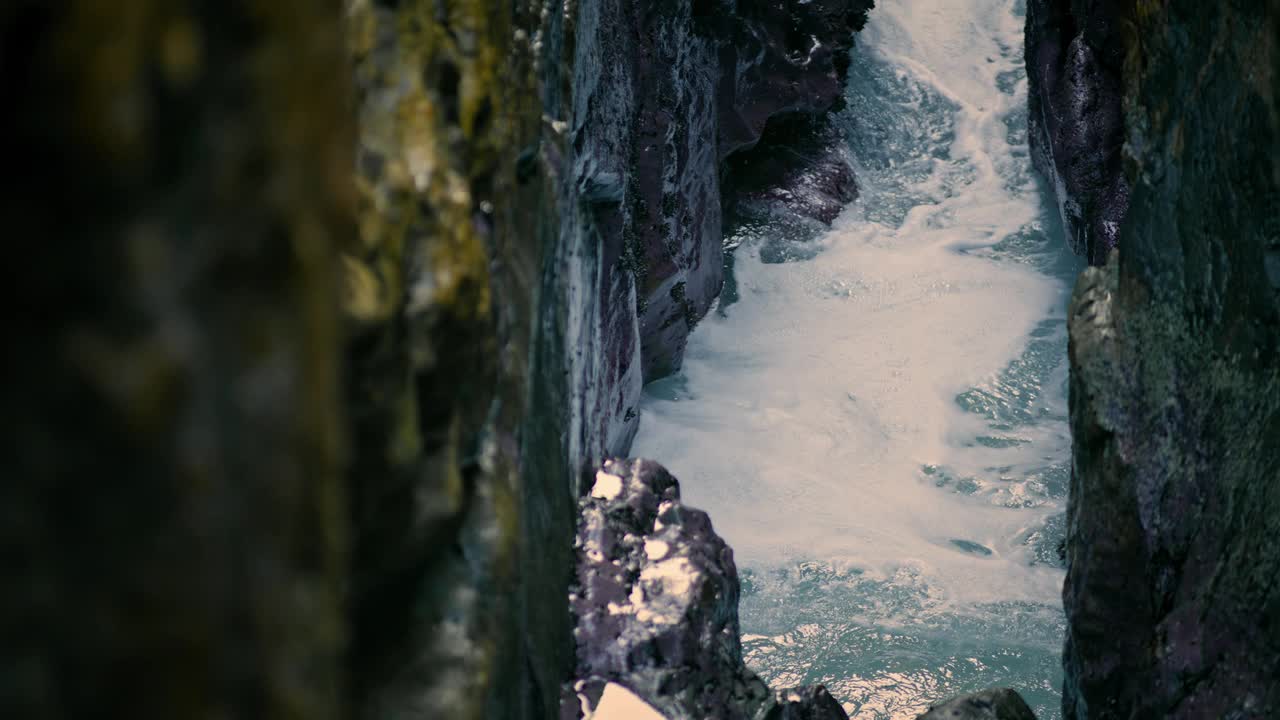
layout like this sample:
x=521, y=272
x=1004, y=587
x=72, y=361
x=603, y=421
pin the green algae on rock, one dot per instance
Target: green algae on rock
x=441, y=299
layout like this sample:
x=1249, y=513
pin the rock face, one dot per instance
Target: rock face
x=533, y=227
x=1075, y=51
x=656, y=607
x=801, y=170
x=1171, y=592
x=779, y=58
x=1001, y=704
x=540, y=227
x=171, y=516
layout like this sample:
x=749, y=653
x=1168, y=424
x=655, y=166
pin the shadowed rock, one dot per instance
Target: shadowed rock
x=1075, y=52
x=800, y=171
x=1171, y=597
x=1000, y=704
x=172, y=524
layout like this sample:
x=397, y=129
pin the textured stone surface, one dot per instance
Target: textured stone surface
x=1171, y=592
x=539, y=229
x=461, y=494
x=1075, y=51
x=800, y=170
x=780, y=58
x=171, y=523
x=656, y=606
x=1000, y=704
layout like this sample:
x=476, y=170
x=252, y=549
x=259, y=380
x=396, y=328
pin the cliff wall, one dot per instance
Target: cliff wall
x=1171, y=592
x=540, y=229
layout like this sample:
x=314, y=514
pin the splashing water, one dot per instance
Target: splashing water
x=877, y=422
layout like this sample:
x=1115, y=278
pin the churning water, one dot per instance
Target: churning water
x=876, y=419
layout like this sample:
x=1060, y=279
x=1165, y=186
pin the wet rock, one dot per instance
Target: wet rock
x=1172, y=606
x=811, y=702
x=655, y=603
x=669, y=91
x=1075, y=52
x=540, y=228
x=1002, y=704
x=533, y=226
x=800, y=170
x=779, y=59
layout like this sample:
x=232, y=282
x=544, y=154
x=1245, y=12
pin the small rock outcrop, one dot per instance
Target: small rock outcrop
x=1172, y=599
x=655, y=603
x=1075, y=53
x=1002, y=704
x=801, y=170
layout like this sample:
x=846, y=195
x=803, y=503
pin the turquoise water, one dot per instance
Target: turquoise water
x=877, y=422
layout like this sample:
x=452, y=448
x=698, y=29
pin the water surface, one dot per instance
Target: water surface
x=876, y=417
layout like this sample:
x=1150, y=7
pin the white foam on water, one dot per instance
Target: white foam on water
x=804, y=414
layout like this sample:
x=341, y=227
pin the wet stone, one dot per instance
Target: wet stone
x=1003, y=704
x=655, y=606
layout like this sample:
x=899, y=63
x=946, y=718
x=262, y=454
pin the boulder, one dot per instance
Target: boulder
x=655, y=605
x=1000, y=704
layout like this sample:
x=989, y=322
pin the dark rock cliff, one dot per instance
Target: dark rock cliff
x=172, y=529
x=1172, y=595
x=1075, y=51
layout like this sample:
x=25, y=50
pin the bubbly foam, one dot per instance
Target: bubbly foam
x=890, y=411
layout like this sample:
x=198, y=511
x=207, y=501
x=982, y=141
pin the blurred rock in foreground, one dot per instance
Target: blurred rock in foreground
x=172, y=521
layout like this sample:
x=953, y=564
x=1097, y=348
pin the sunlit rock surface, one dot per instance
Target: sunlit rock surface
x=986, y=705
x=655, y=602
x=1075, y=52
x=1171, y=593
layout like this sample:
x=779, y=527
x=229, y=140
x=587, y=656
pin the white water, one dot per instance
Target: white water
x=878, y=425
